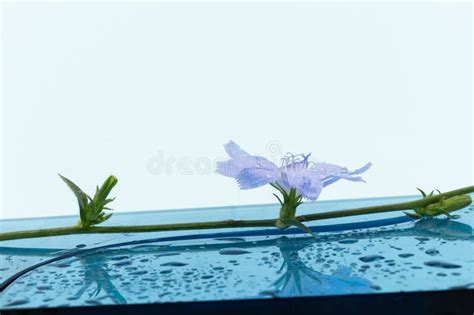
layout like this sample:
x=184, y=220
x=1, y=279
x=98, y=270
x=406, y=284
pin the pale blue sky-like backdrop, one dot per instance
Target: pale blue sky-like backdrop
x=151, y=91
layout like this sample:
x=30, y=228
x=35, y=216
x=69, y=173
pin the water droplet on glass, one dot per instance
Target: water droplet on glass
x=422, y=239
x=233, y=251
x=441, y=264
x=118, y=257
x=166, y=254
x=18, y=302
x=432, y=252
x=174, y=264
x=231, y=239
x=44, y=287
x=123, y=263
x=371, y=258
x=348, y=241
x=138, y=273
x=166, y=271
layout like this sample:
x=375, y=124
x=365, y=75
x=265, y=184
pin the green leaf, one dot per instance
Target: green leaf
x=281, y=202
x=303, y=227
x=106, y=201
x=92, y=209
x=82, y=197
x=422, y=192
x=102, y=193
x=102, y=218
x=280, y=189
x=413, y=215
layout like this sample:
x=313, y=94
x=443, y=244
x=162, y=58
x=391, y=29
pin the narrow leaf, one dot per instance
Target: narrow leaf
x=82, y=197
x=102, y=193
x=303, y=227
x=413, y=215
x=281, y=202
x=422, y=192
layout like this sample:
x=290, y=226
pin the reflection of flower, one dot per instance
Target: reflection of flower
x=96, y=271
x=308, y=178
x=299, y=279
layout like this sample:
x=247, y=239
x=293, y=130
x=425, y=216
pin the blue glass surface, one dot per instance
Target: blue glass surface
x=435, y=254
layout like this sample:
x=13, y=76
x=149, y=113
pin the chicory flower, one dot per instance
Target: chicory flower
x=297, y=171
x=295, y=179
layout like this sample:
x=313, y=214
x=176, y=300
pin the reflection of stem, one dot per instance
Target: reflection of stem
x=233, y=223
x=95, y=271
x=301, y=279
x=294, y=268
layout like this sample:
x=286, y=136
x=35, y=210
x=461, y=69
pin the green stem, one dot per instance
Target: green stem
x=385, y=208
x=231, y=223
x=136, y=228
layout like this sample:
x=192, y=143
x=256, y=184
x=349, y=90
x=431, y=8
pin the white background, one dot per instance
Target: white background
x=96, y=89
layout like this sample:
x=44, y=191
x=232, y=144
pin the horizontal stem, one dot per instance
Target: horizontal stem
x=136, y=228
x=385, y=208
x=230, y=223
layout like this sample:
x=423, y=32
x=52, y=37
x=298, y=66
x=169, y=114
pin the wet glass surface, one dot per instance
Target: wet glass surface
x=434, y=254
